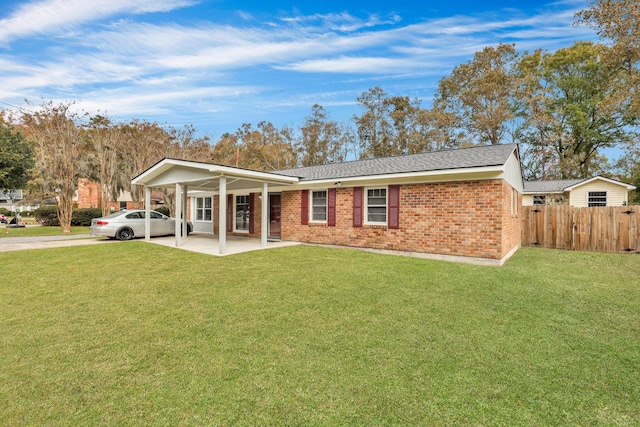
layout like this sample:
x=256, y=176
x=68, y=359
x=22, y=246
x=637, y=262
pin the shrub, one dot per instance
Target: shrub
x=163, y=210
x=83, y=217
x=4, y=211
x=47, y=215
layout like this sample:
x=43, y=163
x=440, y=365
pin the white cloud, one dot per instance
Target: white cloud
x=139, y=68
x=355, y=65
x=52, y=16
x=343, y=22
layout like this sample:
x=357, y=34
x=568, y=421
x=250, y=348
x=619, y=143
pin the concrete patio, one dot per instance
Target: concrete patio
x=208, y=244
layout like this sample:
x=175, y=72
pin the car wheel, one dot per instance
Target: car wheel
x=124, y=234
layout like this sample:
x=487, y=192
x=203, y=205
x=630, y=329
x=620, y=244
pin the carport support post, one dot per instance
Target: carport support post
x=184, y=227
x=264, y=230
x=178, y=222
x=147, y=213
x=222, y=216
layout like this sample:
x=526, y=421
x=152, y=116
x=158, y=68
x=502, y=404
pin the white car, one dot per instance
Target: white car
x=128, y=224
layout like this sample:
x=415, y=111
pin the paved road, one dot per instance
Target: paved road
x=40, y=242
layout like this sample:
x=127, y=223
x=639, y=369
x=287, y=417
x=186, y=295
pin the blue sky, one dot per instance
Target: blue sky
x=218, y=64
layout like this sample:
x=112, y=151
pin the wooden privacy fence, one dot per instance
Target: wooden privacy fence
x=602, y=229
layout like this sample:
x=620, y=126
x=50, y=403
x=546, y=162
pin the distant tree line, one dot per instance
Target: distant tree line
x=563, y=108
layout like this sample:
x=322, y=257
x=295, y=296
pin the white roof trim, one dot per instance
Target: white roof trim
x=216, y=171
x=602, y=178
x=406, y=175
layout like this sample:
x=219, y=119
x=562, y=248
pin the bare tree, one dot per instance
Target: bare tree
x=61, y=153
x=107, y=145
x=144, y=145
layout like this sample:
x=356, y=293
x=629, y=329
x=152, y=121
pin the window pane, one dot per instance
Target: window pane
x=377, y=214
x=377, y=192
x=199, y=202
x=242, y=212
x=319, y=206
x=207, y=202
x=319, y=213
x=207, y=215
x=199, y=215
x=377, y=205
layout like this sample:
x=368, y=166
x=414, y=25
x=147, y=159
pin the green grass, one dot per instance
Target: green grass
x=38, y=231
x=139, y=334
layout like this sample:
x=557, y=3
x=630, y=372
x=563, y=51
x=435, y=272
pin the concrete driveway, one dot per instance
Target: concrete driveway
x=8, y=244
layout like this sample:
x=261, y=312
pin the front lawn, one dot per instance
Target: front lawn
x=39, y=231
x=139, y=334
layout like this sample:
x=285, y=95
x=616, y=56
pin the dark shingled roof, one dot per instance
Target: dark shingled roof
x=473, y=157
x=556, y=186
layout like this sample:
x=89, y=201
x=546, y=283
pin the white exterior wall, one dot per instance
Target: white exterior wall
x=527, y=200
x=616, y=194
x=513, y=174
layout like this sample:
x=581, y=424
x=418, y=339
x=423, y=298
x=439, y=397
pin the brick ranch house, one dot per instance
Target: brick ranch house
x=461, y=205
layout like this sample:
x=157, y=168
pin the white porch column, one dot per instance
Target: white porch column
x=184, y=211
x=222, y=216
x=147, y=213
x=178, y=221
x=264, y=227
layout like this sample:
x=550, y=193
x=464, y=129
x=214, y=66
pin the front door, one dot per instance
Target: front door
x=274, y=215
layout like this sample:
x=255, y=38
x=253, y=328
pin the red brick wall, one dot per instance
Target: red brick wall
x=88, y=194
x=465, y=218
x=257, y=216
x=511, y=219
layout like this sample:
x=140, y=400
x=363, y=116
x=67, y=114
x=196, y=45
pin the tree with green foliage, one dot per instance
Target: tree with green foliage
x=373, y=127
x=618, y=22
x=266, y=148
x=483, y=94
x=573, y=111
x=16, y=157
x=321, y=139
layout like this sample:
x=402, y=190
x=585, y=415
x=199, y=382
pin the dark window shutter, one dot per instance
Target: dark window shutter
x=331, y=207
x=251, y=214
x=394, y=207
x=229, y=212
x=357, y=206
x=304, y=207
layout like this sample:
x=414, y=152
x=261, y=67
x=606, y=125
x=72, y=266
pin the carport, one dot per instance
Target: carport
x=185, y=176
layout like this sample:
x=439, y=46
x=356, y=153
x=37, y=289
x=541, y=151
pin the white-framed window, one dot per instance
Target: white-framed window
x=204, y=209
x=319, y=205
x=597, y=198
x=539, y=200
x=376, y=206
x=242, y=213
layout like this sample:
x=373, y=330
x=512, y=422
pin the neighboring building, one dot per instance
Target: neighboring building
x=9, y=199
x=596, y=191
x=14, y=200
x=88, y=196
x=458, y=204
